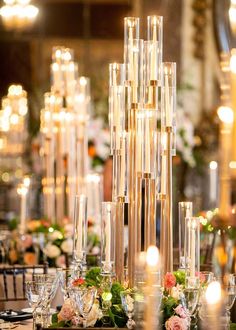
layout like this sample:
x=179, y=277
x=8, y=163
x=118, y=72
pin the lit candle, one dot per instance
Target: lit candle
x=213, y=313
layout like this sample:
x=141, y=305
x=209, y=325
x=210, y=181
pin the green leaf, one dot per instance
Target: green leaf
x=116, y=290
x=54, y=318
x=180, y=277
x=232, y=326
x=93, y=277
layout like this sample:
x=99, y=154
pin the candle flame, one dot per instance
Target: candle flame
x=152, y=257
x=213, y=293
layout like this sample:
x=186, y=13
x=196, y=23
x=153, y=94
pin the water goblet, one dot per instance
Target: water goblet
x=34, y=294
x=229, y=287
x=84, y=298
x=66, y=278
x=189, y=299
x=128, y=303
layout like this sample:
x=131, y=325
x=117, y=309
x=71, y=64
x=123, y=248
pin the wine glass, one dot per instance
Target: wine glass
x=189, y=299
x=128, y=303
x=49, y=285
x=229, y=287
x=66, y=278
x=34, y=294
x=84, y=299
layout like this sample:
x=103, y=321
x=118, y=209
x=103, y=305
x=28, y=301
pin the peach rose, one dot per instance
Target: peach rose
x=67, y=311
x=30, y=258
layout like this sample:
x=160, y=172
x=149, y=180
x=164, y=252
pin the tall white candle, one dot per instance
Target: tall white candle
x=22, y=191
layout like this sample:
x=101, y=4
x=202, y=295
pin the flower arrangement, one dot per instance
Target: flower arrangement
x=174, y=315
x=116, y=316
x=44, y=241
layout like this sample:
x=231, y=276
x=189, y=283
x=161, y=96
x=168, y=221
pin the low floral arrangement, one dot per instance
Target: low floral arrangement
x=116, y=316
x=44, y=241
x=174, y=315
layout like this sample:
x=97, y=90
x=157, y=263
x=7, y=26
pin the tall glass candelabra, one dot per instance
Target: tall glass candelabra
x=64, y=126
x=142, y=152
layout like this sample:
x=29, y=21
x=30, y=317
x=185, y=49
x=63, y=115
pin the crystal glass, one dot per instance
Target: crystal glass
x=66, y=278
x=34, y=294
x=128, y=303
x=189, y=300
x=80, y=230
x=185, y=211
x=84, y=299
x=108, y=236
x=229, y=287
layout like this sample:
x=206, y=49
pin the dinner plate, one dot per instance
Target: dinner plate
x=13, y=316
x=30, y=310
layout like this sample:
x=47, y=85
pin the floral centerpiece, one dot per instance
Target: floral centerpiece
x=174, y=315
x=44, y=241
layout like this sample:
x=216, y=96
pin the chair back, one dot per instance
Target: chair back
x=13, y=278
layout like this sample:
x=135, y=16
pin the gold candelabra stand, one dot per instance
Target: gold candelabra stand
x=142, y=152
x=64, y=128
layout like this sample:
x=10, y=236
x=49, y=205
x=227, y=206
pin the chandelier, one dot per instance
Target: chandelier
x=18, y=14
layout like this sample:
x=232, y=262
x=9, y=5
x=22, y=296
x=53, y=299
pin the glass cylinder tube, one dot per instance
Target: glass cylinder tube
x=192, y=251
x=146, y=141
x=80, y=229
x=116, y=104
x=108, y=236
x=135, y=72
x=82, y=99
x=185, y=211
x=163, y=162
x=151, y=62
x=131, y=31
x=120, y=167
x=155, y=34
x=168, y=110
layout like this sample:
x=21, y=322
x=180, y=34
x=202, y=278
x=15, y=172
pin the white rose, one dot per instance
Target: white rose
x=52, y=251
x=67, y=245
x=94, y=315
x=56, y=234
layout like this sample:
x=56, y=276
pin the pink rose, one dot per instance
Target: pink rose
x=181, y=311
x=176, y=323
x=169, y=280
x=67, y=312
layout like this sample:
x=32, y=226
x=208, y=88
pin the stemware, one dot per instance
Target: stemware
x=189, y=300
x=34, y=294
x=66, y=278
x=229, y=287
x=84, y=299
x=49, y=285
x=128, y=303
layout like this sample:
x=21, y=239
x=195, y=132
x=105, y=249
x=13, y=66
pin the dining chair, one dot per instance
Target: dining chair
x=13, y=278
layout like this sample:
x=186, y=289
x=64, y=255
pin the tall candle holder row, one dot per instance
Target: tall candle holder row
x=142, y=152
x=64, y=129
